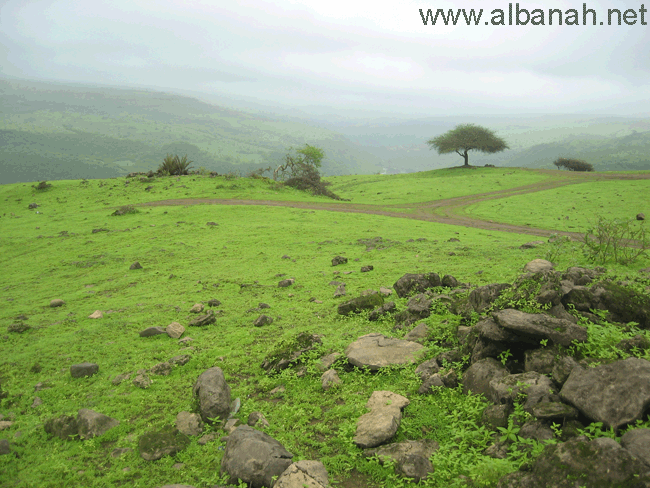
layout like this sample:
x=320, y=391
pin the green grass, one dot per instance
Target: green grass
x=571, y=208
x=54, y=254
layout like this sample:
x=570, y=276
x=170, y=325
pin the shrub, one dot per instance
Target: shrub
x=573, y=164
x=173, y=165
x=257, y=173
x=125, y=209
x=616, y=240
x=309, y=180
x=43, y=185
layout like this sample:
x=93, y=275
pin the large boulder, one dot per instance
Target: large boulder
x=416, y=283
x=534, y=386
x=615, y=394
x=536, y=327
x=601, y=463
x=365, y=302
x=165, y=442
x=376, y=351
x=254, y=457
x=213, y=394
x=637, y=442
x=482, y=297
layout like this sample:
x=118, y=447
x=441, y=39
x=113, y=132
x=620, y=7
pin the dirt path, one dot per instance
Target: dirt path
x=443, y=211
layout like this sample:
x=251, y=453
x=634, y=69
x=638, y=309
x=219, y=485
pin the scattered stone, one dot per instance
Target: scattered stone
x=213, y=394
x=120, y=378
x=339, y=260
x=637, y=442
x=375, y=351
x=286, y=283
x=540, y=326
x=640, y=216
x=18, y=328
x=97, y=314
x=197, y=308
x=83, y=369
x=385, y=291
x=161, y=369
x=262, y=320
x=5, y=448
x=135, y=265
x=380, y=424
x=311, y=474
x=175, y=330
x=326, y=362
x=329, y=379
x=203, y=320
x=153, y=331
x=287, y=352
x=340, y=291
x=214, y=303
x=189, y=423
x=538, y=266
x=449, y=281
x=416, y=283
x=93, y=424
x=253, y=457
x=535, y=387
x=165, y=442
x=180, y=360
x=386, y=308
x=356, y=305
x=37, y=402
x=418, y=334
x=477, y=377
x=5, y=424
x=206, y=438
x=365, y=269
x=411, y=458
x=257, y=419
x=141, y=380
x=57, y=302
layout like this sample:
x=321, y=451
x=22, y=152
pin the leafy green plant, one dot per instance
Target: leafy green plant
x=175, y=166
x=559, y=246
x=503, y=357
x=509, y=433
x=615, y=240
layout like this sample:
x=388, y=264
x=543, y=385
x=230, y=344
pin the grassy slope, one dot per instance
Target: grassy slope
x=91, y=272
x=51, y=131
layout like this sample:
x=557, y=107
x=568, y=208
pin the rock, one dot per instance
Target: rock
x=37, y=401
x=339, y=260
x=262, y=320
x=536, y=430
x=329, y=379
x=180, y=360
x=537, y=327
x=599, y=463
x=375, y=351
x=431, y=381
x=33, y=205
x=165, y=442
x=161, y=369
x=358, y=304
x=365, y=269
x=385, y=291
x=83, y=369
x=213, y=394
x=427, y=368
x=495, y=416
x=285, y=283
x=57, y=302
x=141, y=380
x=615, y=394
x=380, y=424
x=416, y=283
x=340, y=291
x=477, y=377
x=562, y=369
x=214, y=303
x=449, y=281
x=135, y=265
x=97, y=314
x=637, y=442
x=482, y=297
x=540, y=360
x=419, y=305
x=535, y=386
x=641, y=343
x=559, y=312
x=189, y=423
x=92, y=424
x=5, y=448
x=326, y=362
x=531, y=245
x=554, y=411
x=153, y=331
x=411, y=458
x=18, y=328
x=87, y=425
x=197, y=308
x=203, y=320
x=311, y=474
x=5, y=424
x=640, y=216
x=257, y=419
x=387, y=307
x=120, y=378
x=538, y=266
x=418, y=333
x=175, y=330
x=287, y=352
x=253, y=457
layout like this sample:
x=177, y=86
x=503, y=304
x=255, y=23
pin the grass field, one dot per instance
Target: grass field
x=51, y=252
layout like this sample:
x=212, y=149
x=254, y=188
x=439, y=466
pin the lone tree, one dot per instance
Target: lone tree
x=467, y=137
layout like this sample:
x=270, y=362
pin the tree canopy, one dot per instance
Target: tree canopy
x=573, y=164
x=465, y=138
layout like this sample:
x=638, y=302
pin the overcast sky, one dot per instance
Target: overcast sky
x=338, y=54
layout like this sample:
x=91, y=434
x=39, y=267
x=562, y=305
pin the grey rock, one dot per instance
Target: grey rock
x=213, y=394
x=189, y=423
x=141, y=380
x=418, y=334
x=329, y=379
x=416, y=283
x=83, y=369
x=562, y=369
x=483, y=296
x=375, y=351
x=536, y=387
x=339, y=260
x=386, y=308
x=286, y=283
x=615, y=394
x=5, y=448
x=165, y=442
x=311, y=474
x=411, y=458
x=540, y=360
x=161, y=369
x=538, y=266
x=637, y=442
x=427, y=368
x=381, y=423
x=254, y=457
x=57, y=302
x=92, y=424
x=135, y=265
x=554, y=411
x=326, y=362
x=153, y=331
x=540, y=326
x=477, y=377
x=262, y=320
x=495, y=416
x=257, y=419
x=203, y=320
x=358, y=304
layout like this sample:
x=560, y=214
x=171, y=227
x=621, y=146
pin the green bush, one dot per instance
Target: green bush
x=174, y=166
x=43, y=185
x=615, y=240
x=125, y=209
x=573, y=164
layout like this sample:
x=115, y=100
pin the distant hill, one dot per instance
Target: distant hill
x=57, y=131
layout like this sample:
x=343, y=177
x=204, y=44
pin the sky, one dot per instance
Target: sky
x=340, y=55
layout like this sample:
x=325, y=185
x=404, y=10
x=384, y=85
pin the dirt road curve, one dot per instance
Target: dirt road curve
x=443, y=211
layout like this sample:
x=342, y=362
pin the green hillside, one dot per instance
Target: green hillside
x=51, y=131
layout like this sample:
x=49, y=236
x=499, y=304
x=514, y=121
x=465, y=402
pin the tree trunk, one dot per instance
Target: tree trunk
x=466, y=158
